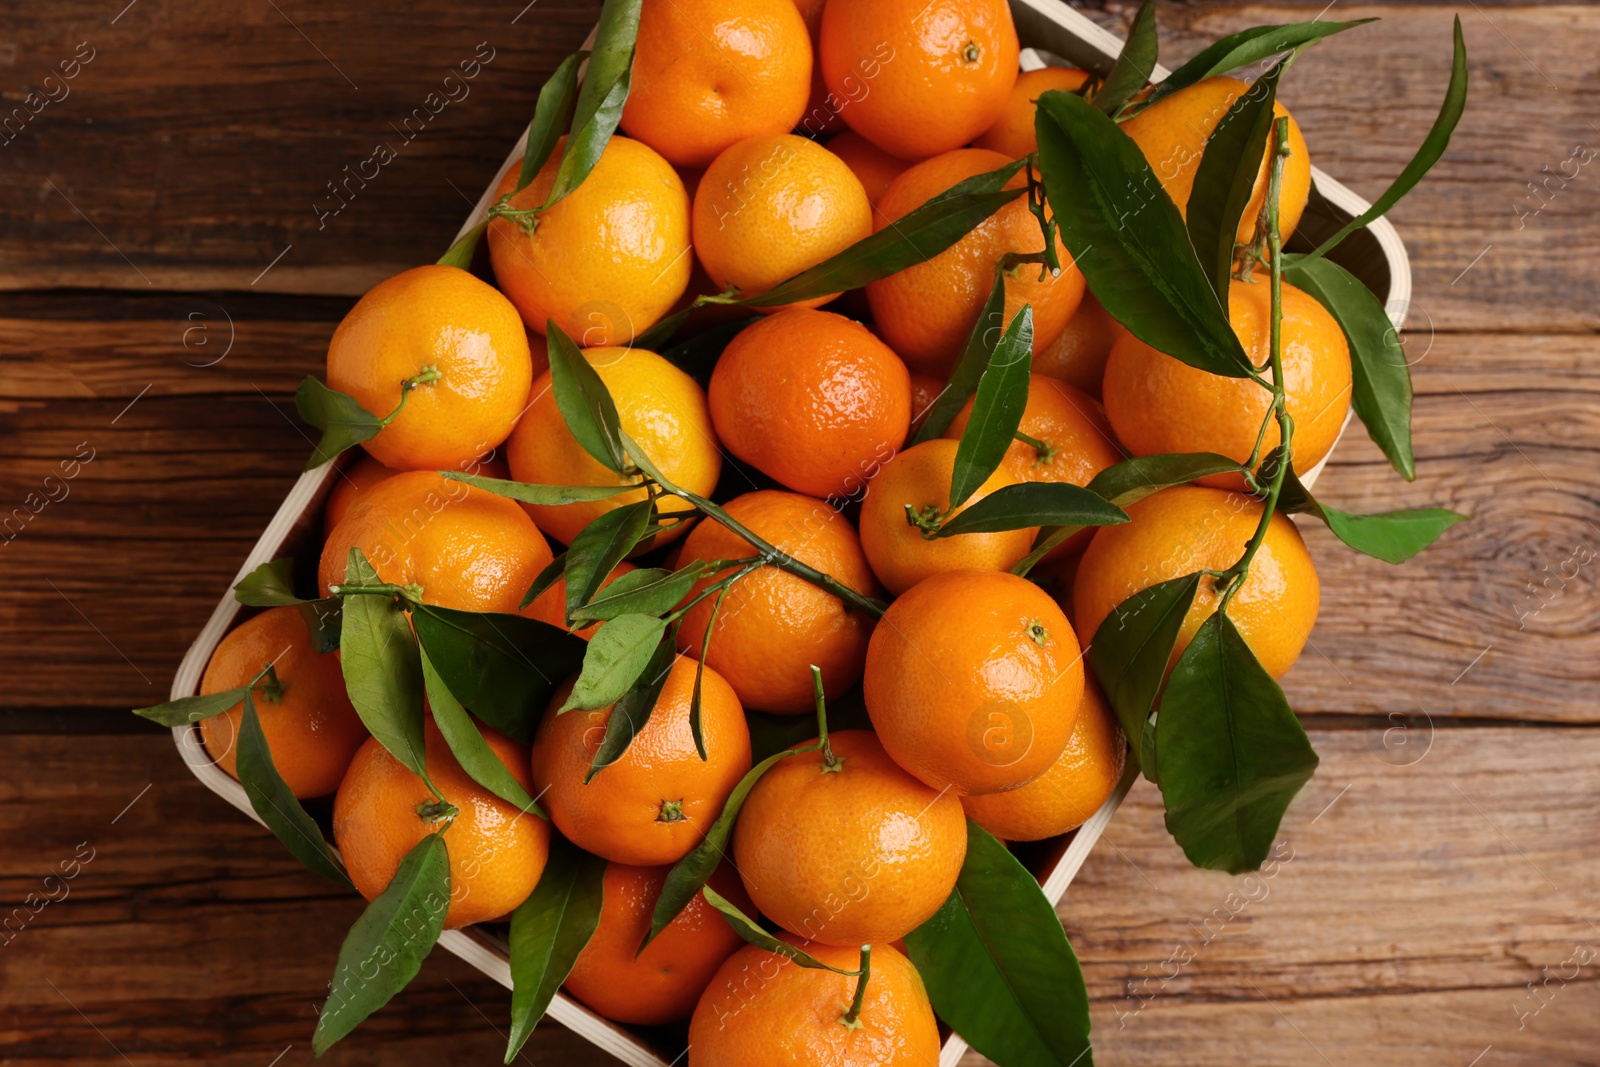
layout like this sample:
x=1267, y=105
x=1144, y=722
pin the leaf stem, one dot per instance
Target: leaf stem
x=718, y=587
x=852, y=1018
x=411, y=593
x=1233, y=578
x=426, y=376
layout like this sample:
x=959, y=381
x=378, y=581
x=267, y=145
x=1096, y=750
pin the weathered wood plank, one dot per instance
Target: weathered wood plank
x=233, y=183
x=1419, y=889
x=197, y=143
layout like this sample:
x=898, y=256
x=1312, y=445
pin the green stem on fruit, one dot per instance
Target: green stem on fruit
x=830, y=762
x=1043, y=453
x=271, y=688
x=1233, y=578
x=426, y=376
x=852, y=1018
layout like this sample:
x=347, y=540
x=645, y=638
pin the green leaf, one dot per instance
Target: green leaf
x=385, y=948
x=551, y=116
x=1131, y=650
x=324, y=618
x=1135, y=63
x=503, y=667
x=691, y=872
x=1381, y=379
x=599, y=547
x=186, y=710
x=1128, y=237
x=1433, y=147
x=381, y=668
x=270, y=585
x=998, y=967
x=548, y=931
x=996, y=409
x=1127, y=483
x=696, y=709
x=468, y=745
x=1232, y=753
x=616, y=658
x=1246, y=47
x=648, y=591
x=343, y=422
x=602, y=96
x=584, y=401
x=747, y=928
x=460, y=253
x=1017, y=507
x=1392, y=536
x=969, y=368
x=1227, y=176
x=275, y=802
x=914, y=238
x=632, y=710
x=544, y=580
x=1134, y=479
x=527, y=493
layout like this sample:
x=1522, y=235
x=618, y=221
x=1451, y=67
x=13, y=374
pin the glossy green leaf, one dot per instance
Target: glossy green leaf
x=382, y=671
x=186, y=710
x=1127, y=483
x=696, y=698
x=385, y=948
x=1017, y=507
x=648, y=591
x=691, y=872
x=544, y=579
x=1380, y=376
x=996, y=409
x=1134, y=479
x=1432, y=149
x=1128, y=238
x=1135, y=64
x=275, y=802
x=1231, y=751
x=1131, y=650
x=527, y=493
x=970, y=365
x=467, y=744
x=343, y=422
x=601, y=97
x=1392, y=536
x=998, y=967
x=1226, y=177
x=914, y=238
x=548, y=931
x=599, y=547
x=583, y=400
x=632, y=710
x=551, y=116
x=617, y=656
x=270, y=585
x=503, y=667
x=461, y=251
x=1246, y=47
x=748, y=929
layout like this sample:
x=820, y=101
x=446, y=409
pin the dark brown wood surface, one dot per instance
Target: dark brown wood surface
x=166, y=284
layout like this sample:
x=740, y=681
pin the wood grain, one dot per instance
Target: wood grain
x=1418, y=891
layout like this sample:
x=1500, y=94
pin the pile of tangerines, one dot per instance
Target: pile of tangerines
x=766, y=505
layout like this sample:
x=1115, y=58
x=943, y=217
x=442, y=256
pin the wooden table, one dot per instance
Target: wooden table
x=173, y=265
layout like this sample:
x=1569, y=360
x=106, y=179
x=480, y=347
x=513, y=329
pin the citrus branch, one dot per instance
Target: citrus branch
x=1233, y=578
